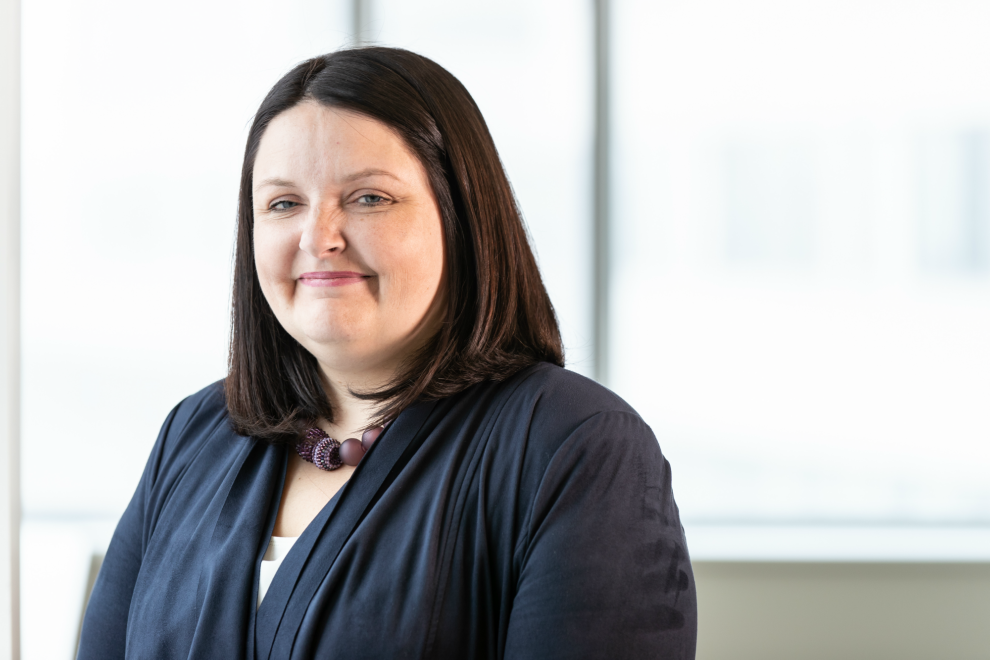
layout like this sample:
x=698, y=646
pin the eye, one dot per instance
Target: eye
x=282, y=205
x=371, y=199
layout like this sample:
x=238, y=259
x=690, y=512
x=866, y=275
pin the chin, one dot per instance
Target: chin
x=330, y=338
x=334, y=326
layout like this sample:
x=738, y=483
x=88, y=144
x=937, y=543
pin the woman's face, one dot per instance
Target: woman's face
x=347, y=240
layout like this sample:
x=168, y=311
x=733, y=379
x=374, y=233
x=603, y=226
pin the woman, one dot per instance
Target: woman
x=383, y=278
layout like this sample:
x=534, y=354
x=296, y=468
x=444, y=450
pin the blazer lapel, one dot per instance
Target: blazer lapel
x=225, y=585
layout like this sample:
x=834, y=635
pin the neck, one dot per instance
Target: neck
x=351, y=415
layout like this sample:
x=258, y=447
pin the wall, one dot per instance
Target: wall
x=807, y=611
x=9, y=325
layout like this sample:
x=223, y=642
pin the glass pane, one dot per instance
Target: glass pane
x=801, y=291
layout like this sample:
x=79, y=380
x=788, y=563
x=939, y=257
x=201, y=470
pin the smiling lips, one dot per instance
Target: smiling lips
x=332, y=278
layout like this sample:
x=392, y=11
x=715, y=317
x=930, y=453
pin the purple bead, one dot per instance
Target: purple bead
x=313, y=437
x=351, y=451
x=316, y=434
x=305, y=451
x=326, y=454
x=368, y=437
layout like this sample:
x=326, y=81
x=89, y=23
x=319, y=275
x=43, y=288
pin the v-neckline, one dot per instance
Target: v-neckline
x=344, y=511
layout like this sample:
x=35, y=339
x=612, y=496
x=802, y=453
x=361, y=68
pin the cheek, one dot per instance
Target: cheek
x=422, y=269
x=273, y=252
x=434, y=262
x=433, y=266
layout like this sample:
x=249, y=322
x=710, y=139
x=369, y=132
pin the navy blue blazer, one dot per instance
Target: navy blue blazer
x=532, y=518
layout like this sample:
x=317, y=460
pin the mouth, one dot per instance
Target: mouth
x=332, y=278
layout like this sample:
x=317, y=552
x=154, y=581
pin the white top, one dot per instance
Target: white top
x=278, y=548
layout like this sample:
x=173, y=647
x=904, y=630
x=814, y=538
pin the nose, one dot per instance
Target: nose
x=323, y=231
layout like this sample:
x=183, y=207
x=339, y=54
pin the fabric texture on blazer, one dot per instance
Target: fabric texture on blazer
x=530, y=518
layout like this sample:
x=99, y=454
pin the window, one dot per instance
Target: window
x=800, y=293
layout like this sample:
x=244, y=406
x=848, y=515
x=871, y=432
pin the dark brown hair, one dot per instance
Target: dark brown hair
x=498, y=316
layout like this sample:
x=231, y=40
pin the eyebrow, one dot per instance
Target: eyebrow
x=369, y=172
x=275, y=181
x=363, y=174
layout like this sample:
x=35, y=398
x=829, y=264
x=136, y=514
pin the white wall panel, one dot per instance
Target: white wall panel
x=10, y=396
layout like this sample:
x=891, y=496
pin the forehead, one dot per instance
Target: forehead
x=313, y=140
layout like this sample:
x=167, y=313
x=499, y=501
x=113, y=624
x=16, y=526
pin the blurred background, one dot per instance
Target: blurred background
x=764, y=223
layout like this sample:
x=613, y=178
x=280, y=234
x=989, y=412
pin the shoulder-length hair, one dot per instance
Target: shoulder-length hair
x=498, y=317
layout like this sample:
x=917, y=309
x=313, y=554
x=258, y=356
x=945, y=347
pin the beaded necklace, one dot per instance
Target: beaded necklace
x=328, y=454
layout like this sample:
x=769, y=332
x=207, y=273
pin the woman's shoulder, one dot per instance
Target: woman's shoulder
x=557, y=405
x=209, y=400
x=564, y=394
x=199, y=411
x=190, y=425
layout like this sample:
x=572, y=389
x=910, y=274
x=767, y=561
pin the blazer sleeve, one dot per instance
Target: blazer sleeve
x=605, y=571
x=104, y=631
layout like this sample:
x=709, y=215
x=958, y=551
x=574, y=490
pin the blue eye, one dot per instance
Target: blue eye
x=371, y=200
x=282, y=205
